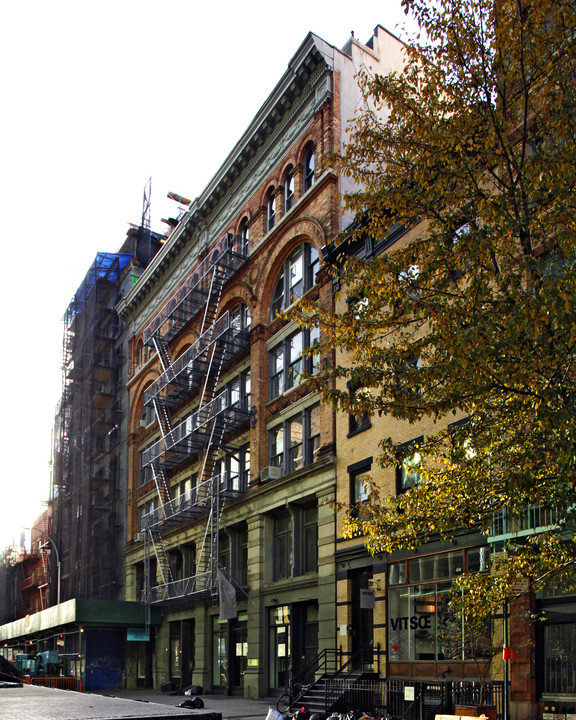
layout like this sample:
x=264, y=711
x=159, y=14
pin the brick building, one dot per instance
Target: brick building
x=231, y=457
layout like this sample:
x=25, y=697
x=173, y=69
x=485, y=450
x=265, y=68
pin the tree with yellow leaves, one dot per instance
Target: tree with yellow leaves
x=475, y=317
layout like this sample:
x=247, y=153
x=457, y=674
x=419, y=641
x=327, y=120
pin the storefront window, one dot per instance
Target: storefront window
x=220, y=653
x=559, y=659
x=419, y=626
x=279, y=647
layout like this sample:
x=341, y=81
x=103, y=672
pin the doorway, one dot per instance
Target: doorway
x=362, y=614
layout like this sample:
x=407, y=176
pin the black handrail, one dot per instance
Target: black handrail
x=325, y=663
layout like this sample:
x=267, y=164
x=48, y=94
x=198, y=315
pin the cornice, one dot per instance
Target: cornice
x=311, y=62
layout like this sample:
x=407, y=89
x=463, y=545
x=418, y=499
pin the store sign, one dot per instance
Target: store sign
x=137, y=634
x=414, y=622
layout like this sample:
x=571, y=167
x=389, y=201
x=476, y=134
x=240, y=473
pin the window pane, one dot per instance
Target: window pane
x=361, y=487
x=314, y=430
x=296, y=275
x=295, y=440
x=277, y=371
x=477, y=560
x=247, y=388
x=246, y=470
x=278, y=296
x=289, y=190
x=309, y=170
x=235, y=391
x=296, y=345
x=309, y=540
x=397, y=573
x=271, y=210
x=409, y=473
x=277, y=446
x=313, y=266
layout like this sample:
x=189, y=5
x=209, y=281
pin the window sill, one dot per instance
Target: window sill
x=359, y=430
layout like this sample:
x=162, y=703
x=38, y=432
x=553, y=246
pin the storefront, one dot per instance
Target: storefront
x=293, y=641
x=418, y=621
x=229, y=654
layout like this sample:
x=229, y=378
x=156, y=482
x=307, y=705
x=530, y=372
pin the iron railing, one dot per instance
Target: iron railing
x=409, y=700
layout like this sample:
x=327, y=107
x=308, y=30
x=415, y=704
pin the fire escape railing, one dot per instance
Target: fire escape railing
x=188, y=370
x=192, y=433
x=196, y=371
x=193, y=294
x=195, y=501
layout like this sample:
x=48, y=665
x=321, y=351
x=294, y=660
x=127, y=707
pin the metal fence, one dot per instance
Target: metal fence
x=61, y=683
x=408, y=700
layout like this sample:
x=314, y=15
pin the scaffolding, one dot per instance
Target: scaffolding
x=203, y=434
x=88, y=505
x=87, y=520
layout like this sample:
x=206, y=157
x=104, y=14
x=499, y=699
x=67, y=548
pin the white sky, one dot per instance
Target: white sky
x=95, y=99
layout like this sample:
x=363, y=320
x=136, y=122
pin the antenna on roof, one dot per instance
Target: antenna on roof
x=146, y=205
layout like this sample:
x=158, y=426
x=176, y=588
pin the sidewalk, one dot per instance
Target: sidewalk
x=231, y=707
x=31, y=702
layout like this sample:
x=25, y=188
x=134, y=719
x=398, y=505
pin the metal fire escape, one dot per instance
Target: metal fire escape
x=194, y=374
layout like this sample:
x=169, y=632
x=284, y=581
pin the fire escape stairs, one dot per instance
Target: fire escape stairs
x=206, y=496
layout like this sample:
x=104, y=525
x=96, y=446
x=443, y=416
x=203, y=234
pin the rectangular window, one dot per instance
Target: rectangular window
x=145, y=474
x=234, y=469
x=359, y=484
x=419, y=625
x=313, y=433
x=295, y=360
x=407, y=474
x=309, y=545
x=277, y=371
x=283, y=547
x=295, y=443
x=296, y=276
x=277, y=446
x=359, y=487
x=287, y=362
x=145, y=513
x=357, y=422
x=559, y=658
x=239, y=390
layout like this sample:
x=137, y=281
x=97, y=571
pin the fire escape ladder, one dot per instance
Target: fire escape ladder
x=162, y=486
x=214, y=294
x=162, y=350
x=164, y=565
x=162, y=415
x=206, y=429
x=207, y=558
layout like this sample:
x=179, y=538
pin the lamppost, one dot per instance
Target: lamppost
x=45, y=534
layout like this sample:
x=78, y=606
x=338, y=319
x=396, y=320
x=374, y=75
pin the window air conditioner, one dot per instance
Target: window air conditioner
x=270, y=473
x=142, y=424
x=139, y=537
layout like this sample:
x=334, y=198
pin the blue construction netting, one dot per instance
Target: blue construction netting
x=108, y=266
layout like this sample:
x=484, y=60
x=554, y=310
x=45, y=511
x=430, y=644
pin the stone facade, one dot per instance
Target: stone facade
x=279, y=534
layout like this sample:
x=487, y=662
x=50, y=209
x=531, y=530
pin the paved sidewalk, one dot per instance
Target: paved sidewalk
x=33, y=702
x=231, y=707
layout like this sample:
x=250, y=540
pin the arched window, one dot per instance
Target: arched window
x=289, y=189
x=244, y=239
x=308, y=179
x=270, y=209
x=298, y=275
